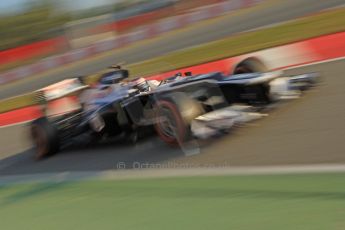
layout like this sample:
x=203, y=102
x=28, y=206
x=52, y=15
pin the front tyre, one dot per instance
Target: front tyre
x=169, y=125
x=174, y=116
x=250, y=65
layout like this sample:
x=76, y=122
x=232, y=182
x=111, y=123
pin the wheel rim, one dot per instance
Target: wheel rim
x=166, y=123
x=169, y=125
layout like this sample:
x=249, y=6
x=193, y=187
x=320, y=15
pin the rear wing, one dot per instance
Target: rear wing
x=65, y=88
x=60, y=98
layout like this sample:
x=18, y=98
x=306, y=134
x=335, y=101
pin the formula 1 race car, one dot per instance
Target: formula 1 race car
x=178, y=109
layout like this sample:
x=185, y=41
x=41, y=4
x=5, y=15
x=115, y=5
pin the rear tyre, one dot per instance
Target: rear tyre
x=45, y=138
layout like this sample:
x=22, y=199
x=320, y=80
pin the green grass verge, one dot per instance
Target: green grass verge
x=299, y=202
x=21, y=101
x=312, y=26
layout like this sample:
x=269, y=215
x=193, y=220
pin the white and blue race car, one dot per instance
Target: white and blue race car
x=178, y=109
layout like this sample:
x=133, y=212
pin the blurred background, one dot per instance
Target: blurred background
x=33, y=29
x=43, y=42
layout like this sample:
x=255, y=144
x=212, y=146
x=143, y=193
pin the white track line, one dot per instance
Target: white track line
x=316, y=63
x=173, y=172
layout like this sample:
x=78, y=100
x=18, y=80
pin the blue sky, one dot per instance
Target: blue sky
x=8, y=6
x=11, y=5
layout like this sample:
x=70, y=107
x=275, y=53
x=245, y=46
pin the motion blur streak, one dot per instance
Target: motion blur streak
x=261, y=16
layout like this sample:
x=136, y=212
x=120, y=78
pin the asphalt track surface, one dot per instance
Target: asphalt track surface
x=266, y=14
x=310, y=130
